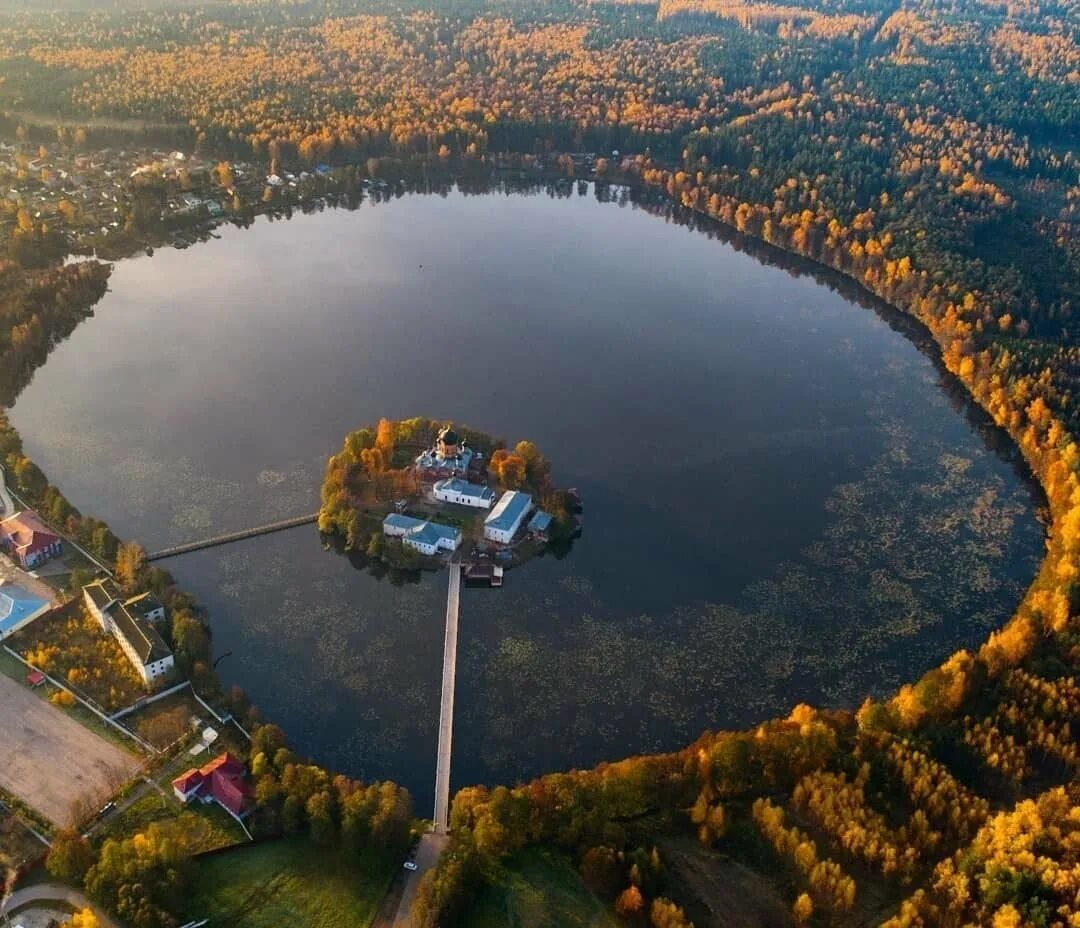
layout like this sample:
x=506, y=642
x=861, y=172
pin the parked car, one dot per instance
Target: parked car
x=409, y=865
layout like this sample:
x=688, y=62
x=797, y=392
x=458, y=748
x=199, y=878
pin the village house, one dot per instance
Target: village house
x=223, y=780
x=503, y=522
x=463, y=493
x=28, y=540
x=129, y=622
x=426, y=537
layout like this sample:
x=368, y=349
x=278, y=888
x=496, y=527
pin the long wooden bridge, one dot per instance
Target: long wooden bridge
x=446, y=710
x=213, y=542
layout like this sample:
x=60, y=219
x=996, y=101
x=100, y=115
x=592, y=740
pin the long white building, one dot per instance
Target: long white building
x=129, y=621
x=503, y=522
x=463, y=493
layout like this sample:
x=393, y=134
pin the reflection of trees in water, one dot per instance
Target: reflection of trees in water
x=655, y=203
x=921, y=555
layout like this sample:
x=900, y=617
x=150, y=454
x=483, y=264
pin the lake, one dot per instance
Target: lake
x=786, y=499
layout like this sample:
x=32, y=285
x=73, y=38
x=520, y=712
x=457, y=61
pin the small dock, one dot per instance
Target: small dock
x=492, y=574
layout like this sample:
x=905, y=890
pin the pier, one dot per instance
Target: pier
x=213, y=542
x=446, y=711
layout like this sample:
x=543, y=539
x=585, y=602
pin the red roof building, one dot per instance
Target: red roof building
x=32, y=544
x=223, y=780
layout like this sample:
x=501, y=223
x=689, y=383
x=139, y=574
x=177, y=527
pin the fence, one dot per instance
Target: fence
x=145, y=745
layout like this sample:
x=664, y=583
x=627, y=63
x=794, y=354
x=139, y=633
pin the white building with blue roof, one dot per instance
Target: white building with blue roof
x=540, y=524
x=18, y=608
x=503, y=522
x=463, y=493
x=426, y=537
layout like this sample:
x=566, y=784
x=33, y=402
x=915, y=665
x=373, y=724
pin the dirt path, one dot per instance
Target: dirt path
x=55, y=892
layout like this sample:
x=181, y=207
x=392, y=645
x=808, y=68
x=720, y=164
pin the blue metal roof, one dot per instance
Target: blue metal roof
x=16, y=605
x=432, y=532
x=508, y=510
x=408, y=523
x=540, y=521
x=428, y=533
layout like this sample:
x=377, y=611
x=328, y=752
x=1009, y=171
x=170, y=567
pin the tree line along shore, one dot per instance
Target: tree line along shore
x=925, y=153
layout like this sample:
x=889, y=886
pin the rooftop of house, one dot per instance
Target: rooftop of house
x=457, y=485
x=540, y=522
x=226, y=776
x=16, y=605
x=27, y=531
x=432, y=533
x=428, y=533
x=407, y=523
x=139, y=632
x=510, y=507
x=141, y=606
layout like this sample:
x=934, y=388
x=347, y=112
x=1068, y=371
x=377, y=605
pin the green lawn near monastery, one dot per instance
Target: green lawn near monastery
x=289, y=883
x=539, y=889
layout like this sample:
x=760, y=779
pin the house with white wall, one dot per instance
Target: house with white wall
x=426, y=537
x=503, y=522
x=463, y=493
x=124, y=619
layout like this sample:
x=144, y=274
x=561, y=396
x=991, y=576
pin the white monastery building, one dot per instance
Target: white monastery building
x=503, y=522
x=463, y=493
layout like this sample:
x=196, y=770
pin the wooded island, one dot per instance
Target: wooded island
x=419, y=489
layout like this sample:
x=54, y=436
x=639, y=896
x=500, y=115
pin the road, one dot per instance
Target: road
x=7, y=504
x=54, y=892
x=446, y=712
x=427, y=855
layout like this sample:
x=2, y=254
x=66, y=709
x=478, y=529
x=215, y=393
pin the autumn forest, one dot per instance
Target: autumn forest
x=926, y=149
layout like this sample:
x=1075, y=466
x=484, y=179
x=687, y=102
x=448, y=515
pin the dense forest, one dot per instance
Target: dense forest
x=924, y=148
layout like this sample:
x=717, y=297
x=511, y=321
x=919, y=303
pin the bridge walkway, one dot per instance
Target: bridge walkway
x=446, y=712
x=279, y=526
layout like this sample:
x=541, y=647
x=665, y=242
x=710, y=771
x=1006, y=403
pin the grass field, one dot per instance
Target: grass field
x=540, y=889
x=289, y=883
x=206, y=826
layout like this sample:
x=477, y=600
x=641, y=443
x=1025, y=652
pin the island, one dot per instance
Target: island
x=419, y=493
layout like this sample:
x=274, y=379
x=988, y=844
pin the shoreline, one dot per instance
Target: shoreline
x=919, y=334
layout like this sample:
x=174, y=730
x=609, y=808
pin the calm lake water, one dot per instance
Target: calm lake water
x=785, y=501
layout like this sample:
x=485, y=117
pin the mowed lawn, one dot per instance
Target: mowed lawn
x=540, y=889
x=288, y=883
